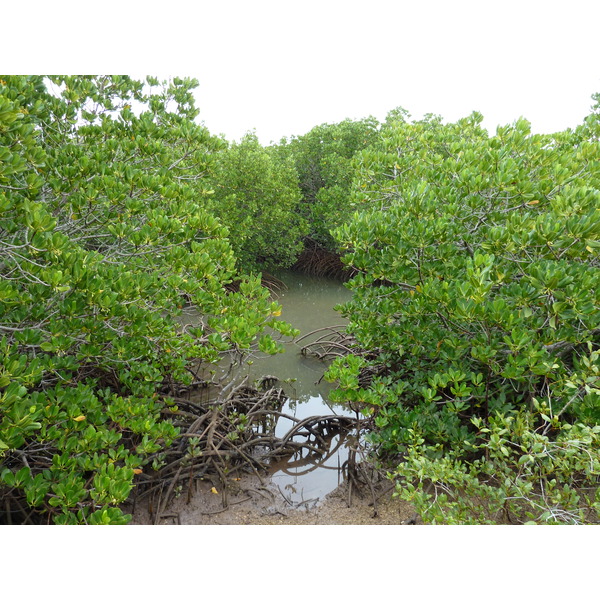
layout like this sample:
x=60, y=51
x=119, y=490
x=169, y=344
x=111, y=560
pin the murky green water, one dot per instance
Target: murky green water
x=308, y=304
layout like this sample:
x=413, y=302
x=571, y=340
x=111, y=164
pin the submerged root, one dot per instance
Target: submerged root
x=327, y=343
x=317, y=260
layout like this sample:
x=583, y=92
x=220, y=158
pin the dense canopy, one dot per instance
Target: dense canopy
x=474, y=317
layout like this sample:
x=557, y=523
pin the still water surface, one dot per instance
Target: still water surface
x=308, y=304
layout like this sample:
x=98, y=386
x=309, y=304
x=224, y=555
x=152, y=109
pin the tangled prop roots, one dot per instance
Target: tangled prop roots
x=316, y=260
x=227, y=437
x=326, y=343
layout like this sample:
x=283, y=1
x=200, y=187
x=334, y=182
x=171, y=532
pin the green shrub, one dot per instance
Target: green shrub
x=256, y=195
x=324, y=161
x=104, y=237
x=476, y=303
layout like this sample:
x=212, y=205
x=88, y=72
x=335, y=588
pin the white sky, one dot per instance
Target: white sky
x=283, y=67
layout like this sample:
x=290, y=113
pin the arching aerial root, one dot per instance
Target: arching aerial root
x=223, y=439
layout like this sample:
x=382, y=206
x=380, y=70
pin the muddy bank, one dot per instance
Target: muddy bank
x=255, y=502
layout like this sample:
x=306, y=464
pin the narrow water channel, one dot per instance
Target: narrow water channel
x=308, y=304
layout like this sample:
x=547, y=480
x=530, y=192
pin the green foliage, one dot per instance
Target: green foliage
x=477, y=295
x=475, y=309
x=324, y=161
x=104, y=237
x=524, y=473
x=256, y=196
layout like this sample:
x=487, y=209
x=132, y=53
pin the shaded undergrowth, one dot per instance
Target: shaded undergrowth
x=317, y=260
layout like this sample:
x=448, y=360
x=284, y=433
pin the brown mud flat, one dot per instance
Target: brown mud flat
x=252, y=502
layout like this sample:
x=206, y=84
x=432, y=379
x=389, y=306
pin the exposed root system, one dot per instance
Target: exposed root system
x=234, y=434
x=316, y=260
x=329, y=343
x=225, y=438
x=273, y=284
x=326, y=343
